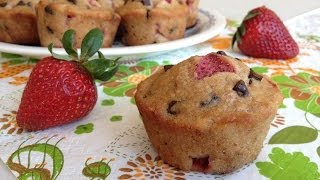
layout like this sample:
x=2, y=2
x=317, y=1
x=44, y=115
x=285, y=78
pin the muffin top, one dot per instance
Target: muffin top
x=90, y=4
x=206, y=91
x=9, y=4
x=150, y=4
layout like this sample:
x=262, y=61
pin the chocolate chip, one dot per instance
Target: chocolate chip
x=170, y=109
x=212, y=101
x=3, y=4
x=255, y=75
x=241, y=89
x=222, y=53
x=167, y=67
x=49, y=30
x=21, y=3
x=148, y=14
x=48, y=10
x=73, y=1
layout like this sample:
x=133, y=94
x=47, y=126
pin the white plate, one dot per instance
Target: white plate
x=209, y=25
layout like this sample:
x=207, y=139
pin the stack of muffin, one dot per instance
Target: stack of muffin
x=137, y=22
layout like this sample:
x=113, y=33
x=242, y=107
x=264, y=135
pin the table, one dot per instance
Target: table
x=86, y=149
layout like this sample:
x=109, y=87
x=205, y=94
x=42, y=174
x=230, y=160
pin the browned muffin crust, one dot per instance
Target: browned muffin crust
x=207, y=125
x=192, y=11
x=54, y=18
x=146, y=25
x=18, y=23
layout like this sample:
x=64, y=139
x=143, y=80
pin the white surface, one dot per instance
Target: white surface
x=210, y=24
x=237, y=9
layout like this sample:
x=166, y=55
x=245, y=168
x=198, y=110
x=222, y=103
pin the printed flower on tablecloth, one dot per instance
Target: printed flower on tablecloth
x=97, y=170
x=9, y=124
x=15, y=65
x=304, y=88
x=125, y=81
x=147, y=167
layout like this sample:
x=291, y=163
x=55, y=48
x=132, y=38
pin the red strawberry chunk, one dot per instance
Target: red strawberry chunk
x=210, y=64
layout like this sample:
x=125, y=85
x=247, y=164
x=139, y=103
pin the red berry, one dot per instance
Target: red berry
x=262, y=34
x=211, y=64
x=57, y=92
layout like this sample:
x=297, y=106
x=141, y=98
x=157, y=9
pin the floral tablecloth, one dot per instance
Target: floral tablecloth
x=111, y=142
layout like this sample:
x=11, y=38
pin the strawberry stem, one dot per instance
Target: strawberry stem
x=100, y=68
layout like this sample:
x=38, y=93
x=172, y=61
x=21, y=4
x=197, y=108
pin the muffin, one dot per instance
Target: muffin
x=192, y=16
x=157, y=22
x=208, y=113
x=57, y=16
x=18, y=23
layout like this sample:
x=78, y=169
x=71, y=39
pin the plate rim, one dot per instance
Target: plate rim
x=213, y=30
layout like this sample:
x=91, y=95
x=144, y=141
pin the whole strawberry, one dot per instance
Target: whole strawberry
x=61, y=89
x=263, y=35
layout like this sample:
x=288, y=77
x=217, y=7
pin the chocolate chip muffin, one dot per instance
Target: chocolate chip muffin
x=192, y=11
x=208, y=113
x=18, y=22
x=158, y=21
x=57, y=16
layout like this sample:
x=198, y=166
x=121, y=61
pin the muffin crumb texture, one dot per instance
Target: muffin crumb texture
x=208, y=113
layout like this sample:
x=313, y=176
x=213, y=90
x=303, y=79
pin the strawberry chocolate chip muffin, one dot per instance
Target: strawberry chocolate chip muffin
x=18, y=22
x=57, y=16
x=152, y=21
x=208, y=113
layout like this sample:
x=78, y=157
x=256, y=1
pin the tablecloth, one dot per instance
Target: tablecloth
x=111, y=143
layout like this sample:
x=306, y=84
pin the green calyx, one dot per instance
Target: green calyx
x=241, y=30
x=100, y=68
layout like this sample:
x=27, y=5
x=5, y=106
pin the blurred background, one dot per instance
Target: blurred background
x=237, y=9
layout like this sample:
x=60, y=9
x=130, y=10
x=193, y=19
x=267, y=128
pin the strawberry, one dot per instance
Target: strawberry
x=262, y=34
x=212, y=63
x=61, y=89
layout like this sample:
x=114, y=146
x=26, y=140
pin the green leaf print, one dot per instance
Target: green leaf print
x=25, y=171
x=119, y=90
x=10, y=56
x=85, y=128
x=260, y=70
x=288, y=166
x=99, y=169
x=127, y=78
x=294, y=135
x=318, y=151
x=304, y=88
x=107, y=102
x=148, y=64
x=116, y=118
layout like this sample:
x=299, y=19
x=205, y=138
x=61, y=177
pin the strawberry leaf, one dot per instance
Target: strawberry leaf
x=100, y=55
x=241, y=30
x=68, y=43
x=102, y=69
x=250, y=15
x=58, y=56
x=91, y=44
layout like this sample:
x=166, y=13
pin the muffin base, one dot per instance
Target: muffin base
x=19, y=26
x=227, y=147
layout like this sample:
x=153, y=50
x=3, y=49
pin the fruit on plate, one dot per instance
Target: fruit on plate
x=262, y=34
x=61, y=89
